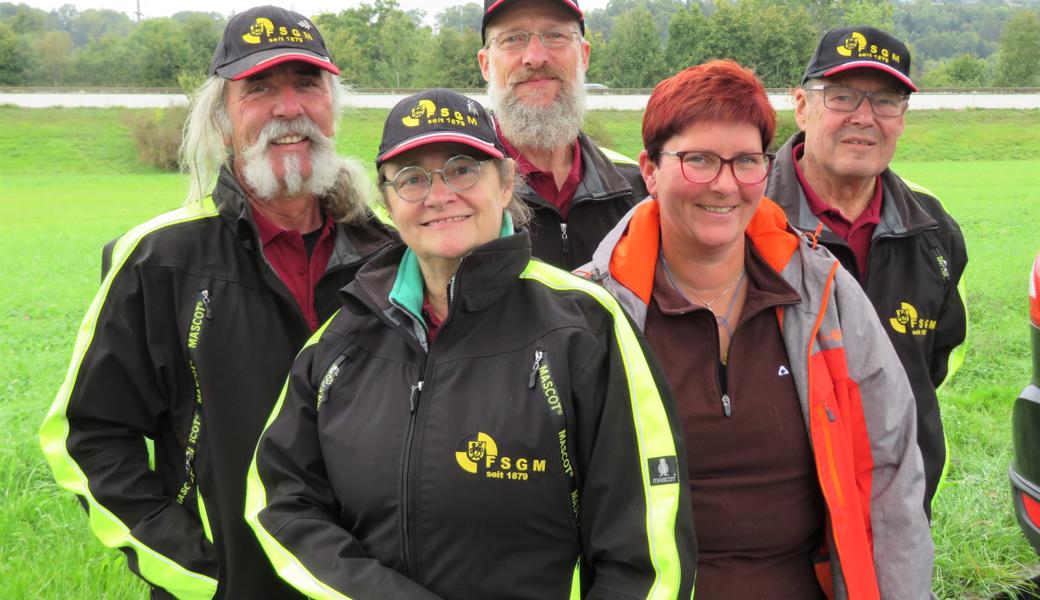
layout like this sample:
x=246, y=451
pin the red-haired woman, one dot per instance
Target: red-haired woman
x=805, y=477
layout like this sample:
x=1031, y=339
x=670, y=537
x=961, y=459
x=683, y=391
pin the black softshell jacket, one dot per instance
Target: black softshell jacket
x=393, y=469
x=607, y=191
x=916, y=261
x=192, y=282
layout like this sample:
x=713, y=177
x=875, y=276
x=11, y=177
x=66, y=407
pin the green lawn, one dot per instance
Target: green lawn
x=69, y=182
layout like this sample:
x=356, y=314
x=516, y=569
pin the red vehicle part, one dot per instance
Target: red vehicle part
x=1025, y=427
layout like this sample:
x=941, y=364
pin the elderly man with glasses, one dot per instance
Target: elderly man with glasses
x=534, y=60
x=833, y=180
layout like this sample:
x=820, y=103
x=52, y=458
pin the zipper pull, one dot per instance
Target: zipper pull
x=413, y=398
x=563, y=232
x=830, y=415
x=327, y=380
x=205, y=301
x=534, y=368
x=727, y=407
x=451, y=290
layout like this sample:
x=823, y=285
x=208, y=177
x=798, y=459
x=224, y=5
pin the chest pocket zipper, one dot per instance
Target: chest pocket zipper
x=558, y=417
x=327, y=380
x=200, y=314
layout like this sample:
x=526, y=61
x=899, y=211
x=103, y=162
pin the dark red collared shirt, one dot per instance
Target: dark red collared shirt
x=544, y=182
x=433, y=324
x=856, y=233
x=285, y=250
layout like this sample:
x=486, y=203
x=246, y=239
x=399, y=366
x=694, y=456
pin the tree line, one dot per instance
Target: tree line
x=635, y=42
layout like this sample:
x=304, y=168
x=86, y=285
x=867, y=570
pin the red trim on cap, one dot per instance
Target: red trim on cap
x=264, y=65
x=442, y=136
x=870, y=64
x=574, y=7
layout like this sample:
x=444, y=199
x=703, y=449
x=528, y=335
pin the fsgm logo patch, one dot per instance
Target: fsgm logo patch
x=477, y=453
x=908, y=321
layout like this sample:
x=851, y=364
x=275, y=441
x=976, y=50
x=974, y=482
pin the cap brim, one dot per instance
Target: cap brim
x=869, y=64
x=437, y=137
x=261, y=61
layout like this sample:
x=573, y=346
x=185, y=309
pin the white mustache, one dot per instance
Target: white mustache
x=299, y=126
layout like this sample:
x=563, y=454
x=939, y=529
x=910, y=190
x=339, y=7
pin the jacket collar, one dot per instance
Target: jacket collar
x=391, y=284
x=353, y=244
x=599, y=180
x=900, y=212
x=629, y=252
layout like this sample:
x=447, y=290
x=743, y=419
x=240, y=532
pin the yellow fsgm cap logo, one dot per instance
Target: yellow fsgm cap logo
x=856, y=45
x=424, y=108
x=857, y=41
x=425, y=112
x=263, y=28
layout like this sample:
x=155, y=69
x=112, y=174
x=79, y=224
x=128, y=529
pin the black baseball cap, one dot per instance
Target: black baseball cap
x=259, y=38
x=438, y=115
x=493, y=6
x=849, y=48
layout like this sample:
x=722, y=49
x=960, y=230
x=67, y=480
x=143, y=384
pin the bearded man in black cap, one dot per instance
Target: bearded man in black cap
x=199, y=317
x=833, y=180
x=534, y=60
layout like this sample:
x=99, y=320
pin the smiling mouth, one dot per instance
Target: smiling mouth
x=288, y=139
x=718, y=210
x=446, y=220
x=859, y=142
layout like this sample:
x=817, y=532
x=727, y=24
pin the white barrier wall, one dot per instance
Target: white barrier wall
x=919, y=101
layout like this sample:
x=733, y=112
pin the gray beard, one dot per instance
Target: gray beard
x=325, y=164
x=539, y=127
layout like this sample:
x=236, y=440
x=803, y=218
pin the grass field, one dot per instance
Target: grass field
x=70, y=181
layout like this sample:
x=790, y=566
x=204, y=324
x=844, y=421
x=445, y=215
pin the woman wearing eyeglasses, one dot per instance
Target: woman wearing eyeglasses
x=472, y=423
x=805, y=478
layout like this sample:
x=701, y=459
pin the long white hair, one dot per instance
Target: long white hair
x=206, y=147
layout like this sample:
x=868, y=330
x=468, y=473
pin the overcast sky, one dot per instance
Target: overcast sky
x=160, y=8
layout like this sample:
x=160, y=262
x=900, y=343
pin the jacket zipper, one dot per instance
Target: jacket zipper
x=563, y=239
x=327, y=380
x=414, y=397
x=413, y=404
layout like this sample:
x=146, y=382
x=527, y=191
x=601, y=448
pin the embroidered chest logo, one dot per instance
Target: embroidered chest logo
x=908, y=321
x=477, y=453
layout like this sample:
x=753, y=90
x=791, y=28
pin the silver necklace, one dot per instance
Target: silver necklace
x=705, y=303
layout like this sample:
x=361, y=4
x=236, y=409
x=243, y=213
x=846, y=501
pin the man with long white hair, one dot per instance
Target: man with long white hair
x=577, y=190
x=202, y=310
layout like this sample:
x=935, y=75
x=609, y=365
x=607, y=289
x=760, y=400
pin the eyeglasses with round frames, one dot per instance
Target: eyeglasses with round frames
x=704, y=167
x=848, y=99
x=514, y=41
x=413, y=184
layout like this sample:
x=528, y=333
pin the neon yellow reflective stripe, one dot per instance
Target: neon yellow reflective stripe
x=158, y=569
x=653, y=432
x=617, y=157
x=203, y=515
x=285, y=562
x=576, y=582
